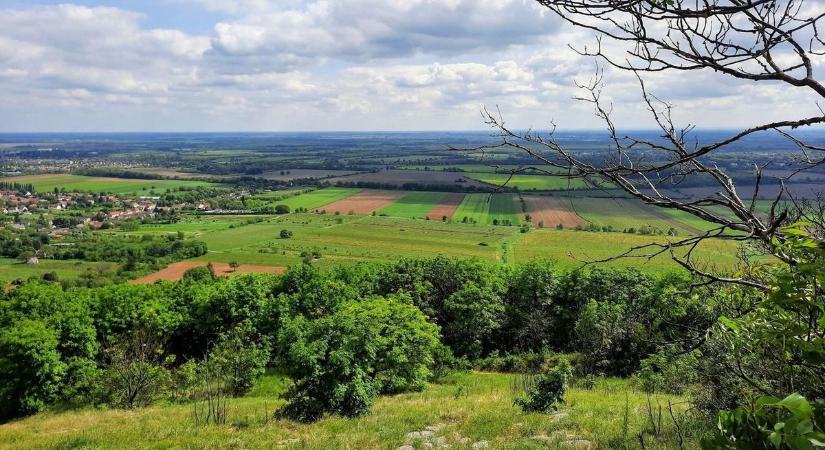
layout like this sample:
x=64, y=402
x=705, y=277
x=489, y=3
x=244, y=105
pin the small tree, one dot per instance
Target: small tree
x=286, y=234
x=240, y=357
x=281, y=209
x=136, y=369
x=234, y=265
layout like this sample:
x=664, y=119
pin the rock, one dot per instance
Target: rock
x=463, y=440
x=428, y=445
x=480, y=444
x=289, y=441
x=427, y=434
x=557, y=417
x=577, y=444
x=406, y=447
x=414, y=435
x=435, y=428
x=441, y=442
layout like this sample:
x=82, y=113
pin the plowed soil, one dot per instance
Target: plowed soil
x=175, y=271
x=447, y=206
x=552, y=212
x=364, y=202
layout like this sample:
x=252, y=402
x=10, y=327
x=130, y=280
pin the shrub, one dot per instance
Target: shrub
x=281, y=209
x=199, y=274
x=548, y=389
x=31, y=371
x=286, y=234
x=240, y=358
x=341, y=361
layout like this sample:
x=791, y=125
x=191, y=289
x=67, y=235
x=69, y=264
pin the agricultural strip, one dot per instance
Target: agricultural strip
x=504, y=208
x=414, y=204
x=317, y=199
x=447, y=206
x=528, y=182
x=364, y=202
x=175, y=271
x=552, y=211
x=621, y=214
x=474, y=208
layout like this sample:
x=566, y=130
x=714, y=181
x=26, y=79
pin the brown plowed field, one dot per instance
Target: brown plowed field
x=175, y=271
x=447, y=206
x=552, y=211
x=364, y=202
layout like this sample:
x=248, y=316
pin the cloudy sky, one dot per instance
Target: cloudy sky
x=278, y=65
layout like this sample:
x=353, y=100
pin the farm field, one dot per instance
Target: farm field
x=527, y=182
x=11, y=269
x=175, y=271
x=551, y=212
x=294, y=174
x=364, y=202
x=414, y=204
x=401, y=177
x=447, y=206
x=474, y=208
x=505, y=208
x=318, y=198
x=483, y=411
x=49, y=182
x=621, y=214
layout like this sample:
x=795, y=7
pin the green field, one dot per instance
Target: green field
x=44, y=183
x=414, y=204
x=11, y=269
x=505, y=207
x=474, y=207
x=478, y=406
x=317, y=199
x=572, y=248
x=527, y=182
x=629, y=213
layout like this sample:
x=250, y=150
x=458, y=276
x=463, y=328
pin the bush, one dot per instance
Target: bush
x=548, y=390
x=240, y=358
x=341, y=361
x=286, y=234
x=281, y=209
x=199, y=274
x=31, y=371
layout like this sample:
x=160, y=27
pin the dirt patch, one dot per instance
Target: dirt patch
x=364, y=202
x=446, y=207
x=552, y=212
x=175, y=271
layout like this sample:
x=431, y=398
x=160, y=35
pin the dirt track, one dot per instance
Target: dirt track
x=364, y=202
x=552, y=212
x=175, y=271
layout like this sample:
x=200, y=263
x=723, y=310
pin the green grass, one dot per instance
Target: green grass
x=478, y=406
x=569, y=249
x=317, y=199
x=414, y=204
x=348, y=239
x=45, y=183
x=11, y=269
x=475, y=207
x=505, y=207
x=527, y=182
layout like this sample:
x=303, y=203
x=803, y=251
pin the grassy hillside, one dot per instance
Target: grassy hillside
x=471, y=407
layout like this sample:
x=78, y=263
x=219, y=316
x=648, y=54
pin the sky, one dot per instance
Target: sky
x=312, y=65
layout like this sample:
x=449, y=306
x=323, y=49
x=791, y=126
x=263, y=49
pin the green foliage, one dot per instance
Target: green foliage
x=472, y=314
x=199, y=274
x=241, y=358
x=285, y=234
x=792, y=423
x=341, y=361
x=31, y=370
x=547, y=390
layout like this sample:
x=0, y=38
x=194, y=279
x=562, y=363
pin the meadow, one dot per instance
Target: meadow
x=79, y=183
x=527, y=182
x=12, y=269
x=467, y=407
x=414, y=204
